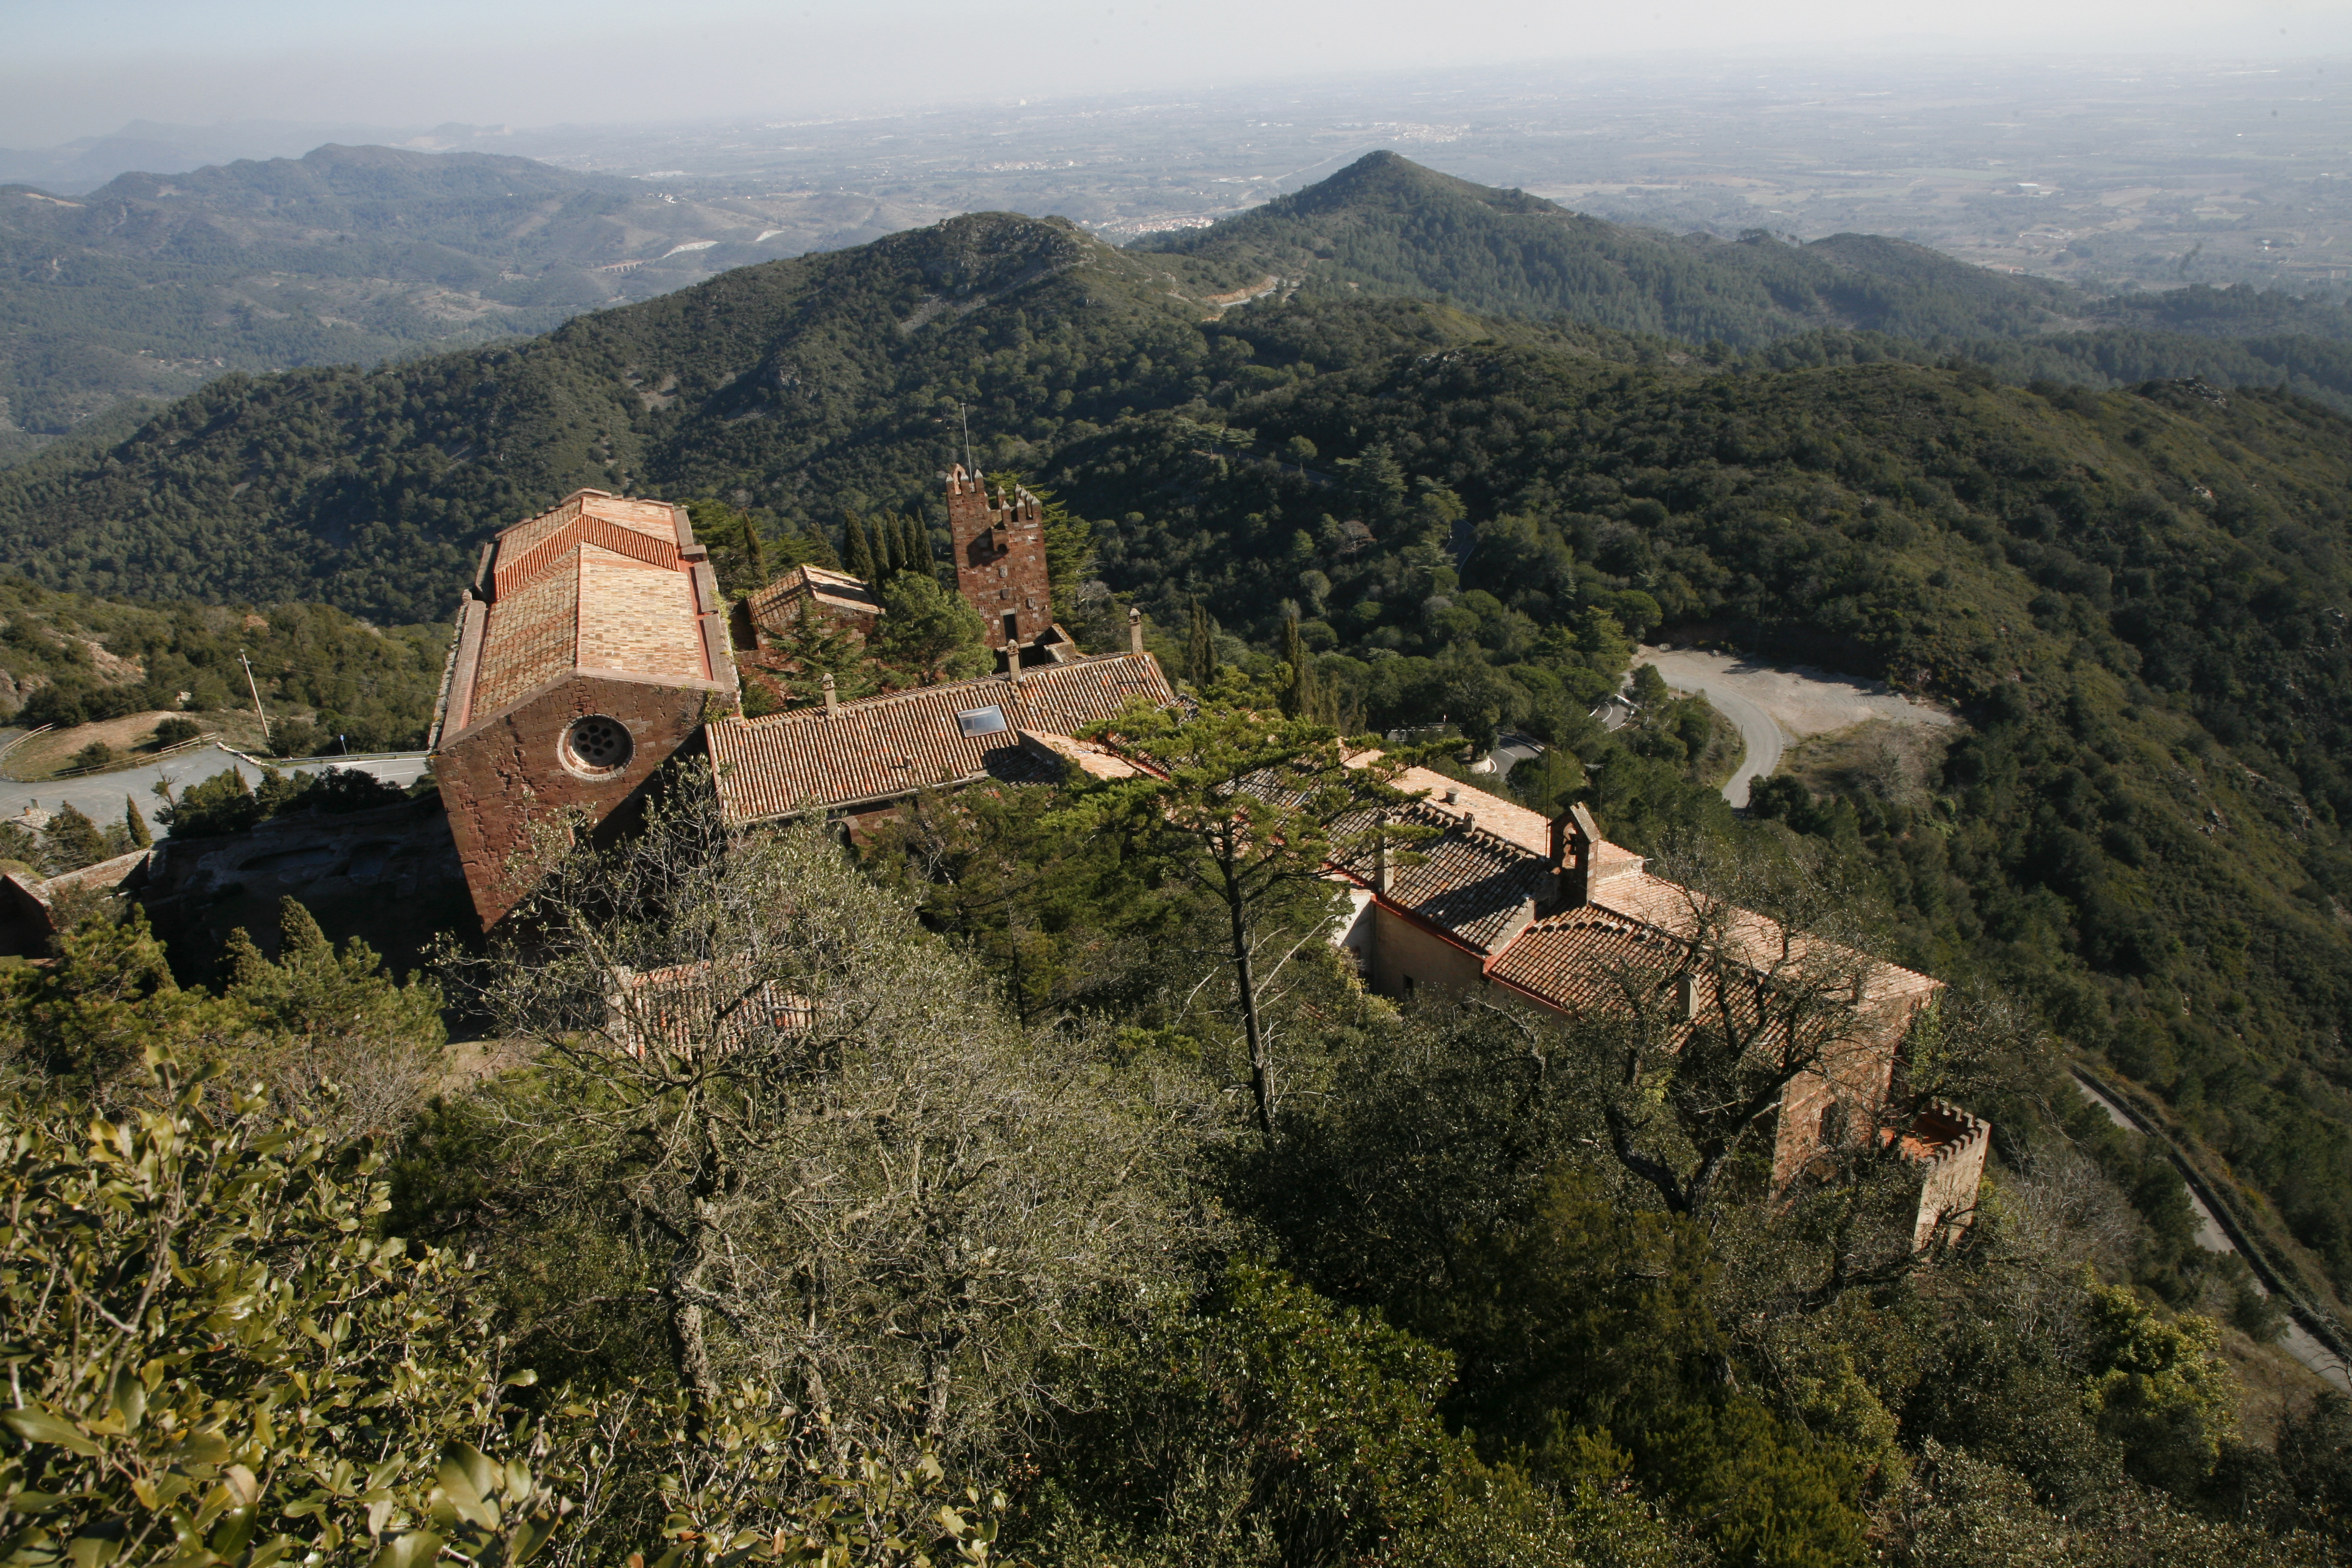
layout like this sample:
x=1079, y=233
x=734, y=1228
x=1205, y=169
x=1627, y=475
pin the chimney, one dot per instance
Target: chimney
x=1381, y=860
x=1134, y=629
x=1573, y=835
x=1686, y=998
x=832, y=705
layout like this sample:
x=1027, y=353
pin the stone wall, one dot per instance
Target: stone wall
x=500, y=774
x=1000, y=558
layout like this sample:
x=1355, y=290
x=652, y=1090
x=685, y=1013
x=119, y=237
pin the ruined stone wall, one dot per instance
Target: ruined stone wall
x=1950, y=1179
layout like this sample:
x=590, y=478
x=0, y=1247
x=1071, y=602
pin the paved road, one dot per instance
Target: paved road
x=100, y=797
x=1758, y=728
x=2296, y=1341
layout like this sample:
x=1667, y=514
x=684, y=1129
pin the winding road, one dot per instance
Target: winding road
x=2214, y=1236
x=1758, y=729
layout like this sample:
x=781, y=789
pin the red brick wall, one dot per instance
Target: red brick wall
x=496, y=776
x=1001, y=571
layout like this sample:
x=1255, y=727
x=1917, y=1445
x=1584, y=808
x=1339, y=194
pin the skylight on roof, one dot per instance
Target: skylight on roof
x=988, y=721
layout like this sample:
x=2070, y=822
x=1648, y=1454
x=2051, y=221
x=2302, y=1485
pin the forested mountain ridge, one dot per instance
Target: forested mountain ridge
x=150, y=285
x=2110, y=581
x=819, y=383
x=1388, y=223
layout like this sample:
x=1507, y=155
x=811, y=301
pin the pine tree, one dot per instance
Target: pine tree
x=1200, y=649
x=817, y=646
x=862, y=563
x=70, y=842
x=135, y=825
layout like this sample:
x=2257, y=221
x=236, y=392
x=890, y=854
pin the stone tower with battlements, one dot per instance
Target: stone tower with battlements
x=1000, y=558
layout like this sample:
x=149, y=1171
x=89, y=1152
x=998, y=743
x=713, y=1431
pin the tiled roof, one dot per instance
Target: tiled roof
x=688, y=1006
x=772, y=606
x=1491, y=855
x=645, y=619
x=1584, y=958
x=1471, y=884
x=1531, y=830
x=599, y=583
x=647, y=531
x=883, y=747
x=531, y=638
x=1760, y=941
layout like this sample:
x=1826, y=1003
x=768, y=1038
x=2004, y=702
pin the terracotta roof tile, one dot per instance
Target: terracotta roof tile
x=1580, y=959
x=646, y=530
x=1471, y=893
x=598, y=582
x=531, y=638
x=1531, y=830
x=885, y=746
x=774, y=606
x=1470, y=883
x=642, y=618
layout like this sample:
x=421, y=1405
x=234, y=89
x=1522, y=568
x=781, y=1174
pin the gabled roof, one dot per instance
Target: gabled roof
x=1471, y=884
x=880, y=748
x=773, y=606
x=599, y=583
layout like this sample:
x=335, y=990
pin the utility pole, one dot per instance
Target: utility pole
x=254, y=687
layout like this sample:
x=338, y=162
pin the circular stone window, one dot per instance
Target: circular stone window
x=596, y=746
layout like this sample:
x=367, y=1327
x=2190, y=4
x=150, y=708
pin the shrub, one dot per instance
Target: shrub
x=172, y=731
x=54, y=705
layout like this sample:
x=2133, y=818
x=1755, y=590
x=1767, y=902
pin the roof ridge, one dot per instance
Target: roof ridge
x=975, y=682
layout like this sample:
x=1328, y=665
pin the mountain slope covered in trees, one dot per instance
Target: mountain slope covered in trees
x=2137, y=596
x=150, y=286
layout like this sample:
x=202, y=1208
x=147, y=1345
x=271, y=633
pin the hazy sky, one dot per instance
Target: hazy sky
x=75, y=68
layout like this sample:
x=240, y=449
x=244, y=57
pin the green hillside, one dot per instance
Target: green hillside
x=1387, y=223
x=150, y=286
x=2135, y=595
x=820, y=381
x=1388, y=226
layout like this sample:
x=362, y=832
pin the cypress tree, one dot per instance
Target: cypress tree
x=136, y=825
x=1301, y=700
x=862, y=564
x=918, y=544
x=755, y=552
x=1200, y=647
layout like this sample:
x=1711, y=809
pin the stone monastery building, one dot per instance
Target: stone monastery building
x=592, y=647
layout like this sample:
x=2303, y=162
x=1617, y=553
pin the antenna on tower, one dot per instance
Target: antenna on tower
x=968, y=466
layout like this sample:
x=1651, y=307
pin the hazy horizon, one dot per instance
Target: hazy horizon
x=90, y=70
